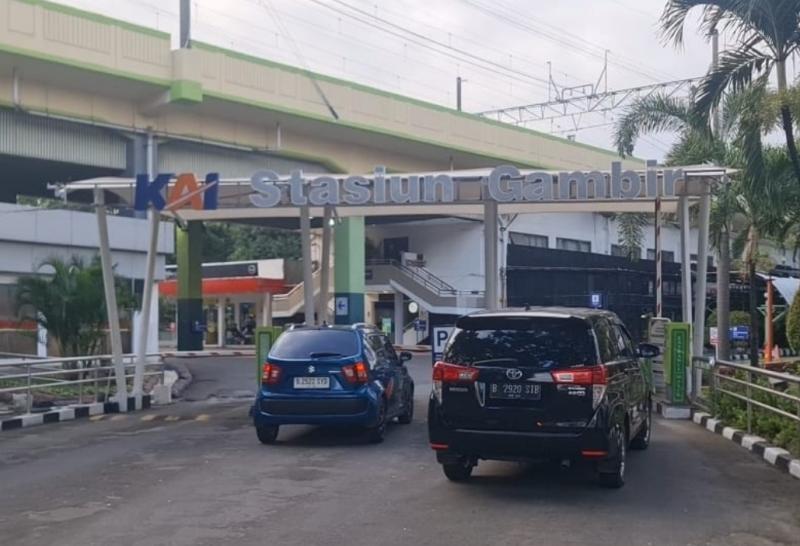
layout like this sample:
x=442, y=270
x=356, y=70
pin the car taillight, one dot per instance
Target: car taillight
x=355, y=373
x=453, y=373
x=271, y=374
x=594, y=376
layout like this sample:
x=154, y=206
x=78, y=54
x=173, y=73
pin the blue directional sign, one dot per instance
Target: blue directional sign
x=596, y=300
x=740, y=333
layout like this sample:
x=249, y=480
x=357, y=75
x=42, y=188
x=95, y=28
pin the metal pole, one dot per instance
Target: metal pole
x=398, y=318
x=186, y=24
x=659, y=306
x=325, y=273
x=686, y=266
x=768, y=331
x=490, y=253
x=308, y=276
x=111, y=300
x=221, y=327
x=458, y=93
x=702, y=272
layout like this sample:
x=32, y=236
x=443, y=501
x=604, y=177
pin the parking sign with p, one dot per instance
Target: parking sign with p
x=439, y=336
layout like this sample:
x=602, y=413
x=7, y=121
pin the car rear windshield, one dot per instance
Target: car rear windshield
x=315, y=344
x=540, y=342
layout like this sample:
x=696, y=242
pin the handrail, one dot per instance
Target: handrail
x=721, y=381
x=32, y=376
x=424, y=277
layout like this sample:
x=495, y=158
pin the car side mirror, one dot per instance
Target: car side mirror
x=405, y=356
x=648, y=350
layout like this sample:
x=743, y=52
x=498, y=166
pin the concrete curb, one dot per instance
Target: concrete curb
x=76, y=411
x=776, y=456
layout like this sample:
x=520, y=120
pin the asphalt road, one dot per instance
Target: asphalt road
x=194, y=473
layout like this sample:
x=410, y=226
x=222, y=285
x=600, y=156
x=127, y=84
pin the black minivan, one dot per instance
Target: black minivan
x=540, y=383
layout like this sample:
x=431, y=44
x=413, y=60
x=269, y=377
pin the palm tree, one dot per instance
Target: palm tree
x=767, y=34
x=68, y=300
x=696, y=145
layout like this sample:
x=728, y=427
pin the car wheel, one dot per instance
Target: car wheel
x=642, y=439
x=459, y=471
x=614, y=476
x=376, y=434
x=407, y=416
x=267, y=434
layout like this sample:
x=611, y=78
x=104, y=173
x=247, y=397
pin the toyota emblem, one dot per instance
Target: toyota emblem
x=514, y=374
x=311, y=369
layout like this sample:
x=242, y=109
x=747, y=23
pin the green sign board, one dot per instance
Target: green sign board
x=265, y=337
x=677, y=357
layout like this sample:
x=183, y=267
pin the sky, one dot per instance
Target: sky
x=501, y=48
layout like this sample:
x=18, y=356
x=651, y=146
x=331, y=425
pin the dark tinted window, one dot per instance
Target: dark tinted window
x=523, y=341
x=607, y=340
x=315, y=343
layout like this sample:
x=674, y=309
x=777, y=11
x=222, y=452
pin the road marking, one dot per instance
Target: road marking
x=119, y=417
x=150, y=417
x=202, y=417
x=173, y=418
x=97, y=417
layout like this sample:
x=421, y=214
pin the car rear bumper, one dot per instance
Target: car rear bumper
x=361, y=410
x=449, y=442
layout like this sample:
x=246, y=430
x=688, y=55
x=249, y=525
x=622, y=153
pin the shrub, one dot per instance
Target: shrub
x=793, y=323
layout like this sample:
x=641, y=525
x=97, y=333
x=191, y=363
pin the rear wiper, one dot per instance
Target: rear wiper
x=322, y=354
x=495, y=360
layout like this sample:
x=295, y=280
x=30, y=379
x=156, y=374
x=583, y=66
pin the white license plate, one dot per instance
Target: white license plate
x=312, y=382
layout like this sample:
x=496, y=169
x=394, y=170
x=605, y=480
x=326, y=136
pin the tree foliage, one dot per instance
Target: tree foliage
x=793, y=323
x=233, y=242
x=68, y=300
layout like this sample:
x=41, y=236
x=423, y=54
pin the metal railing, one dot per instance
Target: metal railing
x=425, y=278
x=755, y=388
x=89, y=375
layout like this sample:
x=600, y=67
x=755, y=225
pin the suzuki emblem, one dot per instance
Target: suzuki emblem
x=311, y=369
x=514, y=373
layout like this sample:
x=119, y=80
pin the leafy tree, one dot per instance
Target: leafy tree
x=232, y=242
x=793, y=323
x=765, y=35
x=69, y=302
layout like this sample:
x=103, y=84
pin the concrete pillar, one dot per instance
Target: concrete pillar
x=686, y=266
x=189, y=250
x=266, y=309
x=221, y=326
x=308, y=273
x=399, y=323
x=348, y=274
x=491, y=270
x=325, y=271
x=699, y=327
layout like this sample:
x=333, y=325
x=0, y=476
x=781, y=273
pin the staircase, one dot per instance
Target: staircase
x=429, y=291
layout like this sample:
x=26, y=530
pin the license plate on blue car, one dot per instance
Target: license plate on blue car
x=312, y=382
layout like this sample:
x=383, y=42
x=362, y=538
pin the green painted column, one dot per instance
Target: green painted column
x=348, y=273
x=189, y=250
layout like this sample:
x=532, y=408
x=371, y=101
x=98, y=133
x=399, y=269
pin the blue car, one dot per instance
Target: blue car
x=333, y=375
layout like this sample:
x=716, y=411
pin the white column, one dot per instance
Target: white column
x=153, y=223
x=686, y=266
x=111, y=300
x=325, y=273
x=308, y=274
x=702, y=271
x=266, y=309
x=399, y=323
x=237, y=314
x=491, y=270
x=221, y=327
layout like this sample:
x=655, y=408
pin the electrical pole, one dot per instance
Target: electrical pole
x=186, y=24
x=458, y=93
